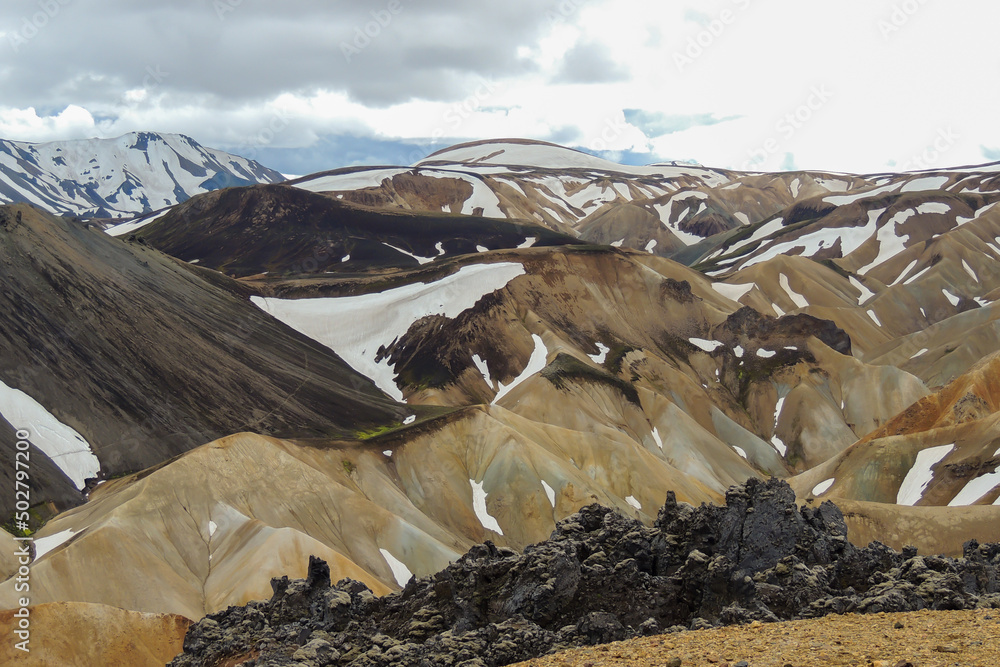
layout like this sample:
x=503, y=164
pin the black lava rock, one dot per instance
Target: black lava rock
x=600, y=577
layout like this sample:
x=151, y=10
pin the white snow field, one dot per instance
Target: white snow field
x=355, y=327
x=920, y=475
x=67, y=448
x=479, y=506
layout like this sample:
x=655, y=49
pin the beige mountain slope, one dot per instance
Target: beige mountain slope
x=79, y=634
x=814, y=339
x=942, y=450
x=933, y=530
x=211, y=528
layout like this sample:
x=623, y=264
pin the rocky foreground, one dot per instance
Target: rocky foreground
x=601, y=577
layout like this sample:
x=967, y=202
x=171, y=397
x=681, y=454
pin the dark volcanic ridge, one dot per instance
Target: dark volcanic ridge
x=600, y=577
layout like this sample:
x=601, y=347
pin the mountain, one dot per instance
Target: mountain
x=387, y=366
x=120, y=357
x=133, y=174
x=280, y=229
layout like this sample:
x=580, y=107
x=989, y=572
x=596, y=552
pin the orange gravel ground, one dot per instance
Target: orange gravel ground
x=926, y=639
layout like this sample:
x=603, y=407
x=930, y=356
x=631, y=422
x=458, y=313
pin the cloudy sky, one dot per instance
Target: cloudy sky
x=307, y=85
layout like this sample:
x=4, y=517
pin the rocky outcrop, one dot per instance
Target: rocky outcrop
x=600, y=577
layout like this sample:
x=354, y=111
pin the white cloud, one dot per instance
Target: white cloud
x=893, y=94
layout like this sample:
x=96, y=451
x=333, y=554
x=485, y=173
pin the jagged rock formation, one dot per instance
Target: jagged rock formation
x=600, y=577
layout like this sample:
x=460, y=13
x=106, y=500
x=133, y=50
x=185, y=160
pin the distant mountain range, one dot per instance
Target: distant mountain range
x=384, y=366
x=133, y=174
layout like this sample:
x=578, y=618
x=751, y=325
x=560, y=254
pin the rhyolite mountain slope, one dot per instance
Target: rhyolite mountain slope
x=132, y=174
x=526, y=350
x=117, y=357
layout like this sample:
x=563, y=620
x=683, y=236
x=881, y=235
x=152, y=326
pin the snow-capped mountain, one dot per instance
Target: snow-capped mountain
x=136, y=173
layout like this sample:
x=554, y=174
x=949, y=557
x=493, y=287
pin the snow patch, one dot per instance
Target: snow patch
x=63, y=445
x=480, y=248
x=706, y=345
x=739, y=450
x=823, y=486
x=617, y=244
x=528, y=242
x=865, y=292
x=797, y=299
x=951, y=297
x=535, y=364
x=633, y=502
x=602, y=354
x=212, y=527
x=968, y=269
x=920, y=353
x=126, y=227
x=484, y=368
x=420, y=260
x=976, y=489
x=409, y=420
x=916, y=275
x=738, y=351
x=733, y=292
x=479, y=506
x=765, y=354
x=400, y=572
x=871, y=314
x=44, y=545
x=925, y=183
x=355, y=327
x=549, y=493
x=920, y=475
x=650, y=246
x=657, y=439
x=794, y=188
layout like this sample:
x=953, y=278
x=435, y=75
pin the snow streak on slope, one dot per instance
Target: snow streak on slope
x=920, y=475
x=479, y=506
x=44, y=545
x=355, y=327
x=133, y=225
x=400, y=572
x=850, y=238
x=976, y=489
x=535, y=364
x=354, y=180
x=59, y=442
